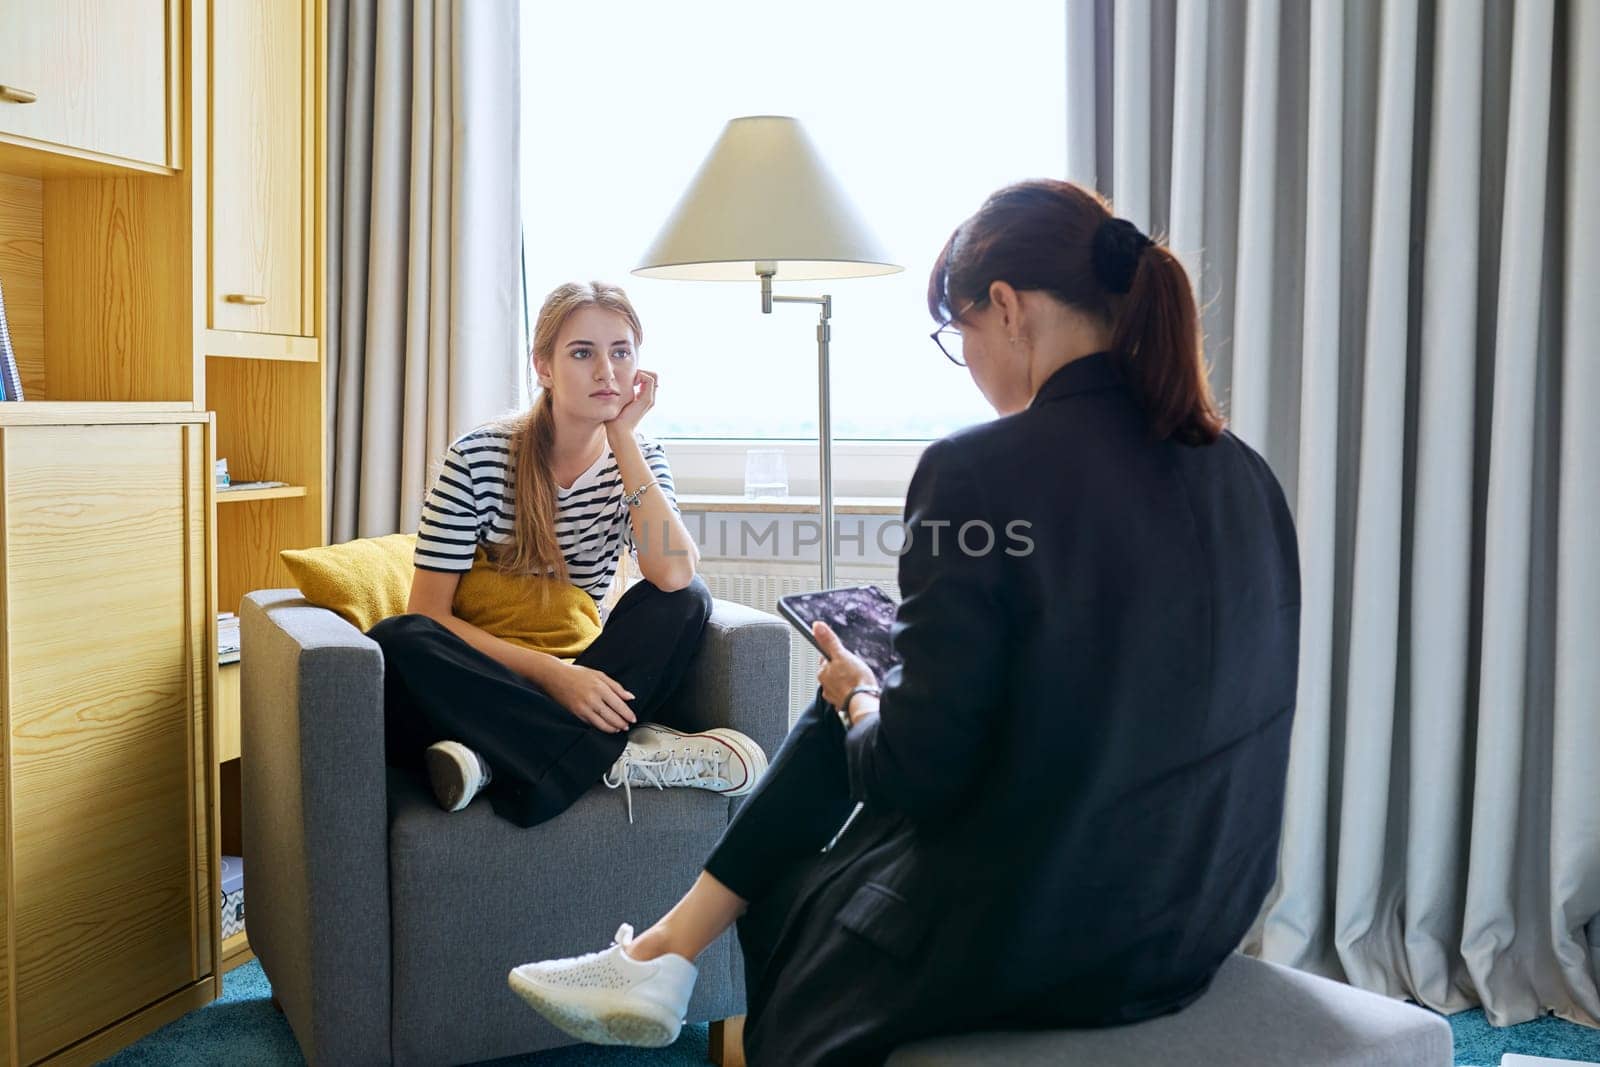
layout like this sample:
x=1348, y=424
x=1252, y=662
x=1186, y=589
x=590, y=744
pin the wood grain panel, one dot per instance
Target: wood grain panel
x=269, y=427
x=118, y=323
x=269, y=418
x=311, y=163
x=232, y=343
x=234, y=496
x=726, y=1041
x=236, y=952
x=75, y=413
x=319, y=238
x=98, y=525
x=227, y=712
x=8, y=933
x=258, y=165
x=249, y=538
x=99, y=71
x=22, y=276
x=196, y=145
x=40, y=159
x=200, y=591
x=93, y=1050
x=177, y=69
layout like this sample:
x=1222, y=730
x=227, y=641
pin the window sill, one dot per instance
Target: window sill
x=797, y=505
x=704, y=467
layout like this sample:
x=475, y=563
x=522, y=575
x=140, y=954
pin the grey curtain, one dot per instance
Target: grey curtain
x=424, y=244
x=1392, y=212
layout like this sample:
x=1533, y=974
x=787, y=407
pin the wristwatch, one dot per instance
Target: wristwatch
x=844, y=708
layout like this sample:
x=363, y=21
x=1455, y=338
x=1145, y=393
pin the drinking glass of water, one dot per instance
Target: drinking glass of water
x=765, y=474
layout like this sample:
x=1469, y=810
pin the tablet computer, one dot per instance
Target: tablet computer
x=861, y=615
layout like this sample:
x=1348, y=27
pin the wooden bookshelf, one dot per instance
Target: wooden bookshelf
x=262, y=356
x=161, y=256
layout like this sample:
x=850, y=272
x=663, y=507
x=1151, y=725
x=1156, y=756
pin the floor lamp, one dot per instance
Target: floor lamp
x=763, y=206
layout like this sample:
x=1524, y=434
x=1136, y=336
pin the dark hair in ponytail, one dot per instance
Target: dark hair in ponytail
x=1062, y=239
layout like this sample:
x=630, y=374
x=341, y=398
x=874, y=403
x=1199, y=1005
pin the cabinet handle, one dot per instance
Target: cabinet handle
x=17, y=96
x=245, y=298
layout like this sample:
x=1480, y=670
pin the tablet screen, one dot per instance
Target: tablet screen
x=861, y=615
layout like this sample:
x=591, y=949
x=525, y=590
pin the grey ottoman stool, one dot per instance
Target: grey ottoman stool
x=1254, y=1015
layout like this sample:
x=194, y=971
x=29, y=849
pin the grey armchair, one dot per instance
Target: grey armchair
x=387, y=926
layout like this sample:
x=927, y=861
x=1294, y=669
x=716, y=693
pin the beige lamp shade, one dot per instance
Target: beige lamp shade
x=764, y=196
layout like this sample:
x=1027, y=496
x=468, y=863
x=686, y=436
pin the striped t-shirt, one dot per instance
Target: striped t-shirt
x=471, y=503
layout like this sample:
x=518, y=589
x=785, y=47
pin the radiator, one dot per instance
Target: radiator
x=759, y=584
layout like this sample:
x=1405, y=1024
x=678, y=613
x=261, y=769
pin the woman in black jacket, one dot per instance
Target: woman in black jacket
x=1073, y=782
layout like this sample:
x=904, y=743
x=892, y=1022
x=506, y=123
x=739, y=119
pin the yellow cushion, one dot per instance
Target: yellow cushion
x=367, y=581
x=562, y=621
x=363, y=581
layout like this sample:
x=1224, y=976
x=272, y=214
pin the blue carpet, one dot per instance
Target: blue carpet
x=244, y=1030
x=1480, y=1045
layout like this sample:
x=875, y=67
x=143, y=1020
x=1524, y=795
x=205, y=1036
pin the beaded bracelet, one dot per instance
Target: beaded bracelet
x=632, y=499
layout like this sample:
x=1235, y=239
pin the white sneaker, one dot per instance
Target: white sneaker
x=610, y=998
x=722, y=760
x=456, y=773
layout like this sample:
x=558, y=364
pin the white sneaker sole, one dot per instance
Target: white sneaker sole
x=453, y=774
x=597, y=1018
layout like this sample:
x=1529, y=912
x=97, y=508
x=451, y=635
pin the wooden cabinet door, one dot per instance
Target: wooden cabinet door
x=97, y=72
x=105, y=562
x=261, y=193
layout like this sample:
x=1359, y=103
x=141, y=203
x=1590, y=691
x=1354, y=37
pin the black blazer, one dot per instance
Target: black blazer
x=1074, y=785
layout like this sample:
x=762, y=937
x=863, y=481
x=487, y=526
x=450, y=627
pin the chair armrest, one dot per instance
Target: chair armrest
x=315, y=823
x=739, y=678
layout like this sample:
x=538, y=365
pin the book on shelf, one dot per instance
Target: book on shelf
x=234, y=487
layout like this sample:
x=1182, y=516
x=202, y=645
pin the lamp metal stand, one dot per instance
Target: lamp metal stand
x=824, y=443
x=824, y=414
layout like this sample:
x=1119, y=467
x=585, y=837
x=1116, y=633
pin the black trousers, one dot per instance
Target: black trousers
x=775, y=842
x=817, y=993
x=437, y=687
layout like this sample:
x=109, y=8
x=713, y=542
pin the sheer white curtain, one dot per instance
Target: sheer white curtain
x=424, y=244
x=1393, y=215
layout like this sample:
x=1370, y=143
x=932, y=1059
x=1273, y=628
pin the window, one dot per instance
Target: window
x=921, y=109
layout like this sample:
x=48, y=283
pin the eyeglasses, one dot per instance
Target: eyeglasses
x=948, y=338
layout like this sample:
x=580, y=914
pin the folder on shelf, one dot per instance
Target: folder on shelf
x=227, y=637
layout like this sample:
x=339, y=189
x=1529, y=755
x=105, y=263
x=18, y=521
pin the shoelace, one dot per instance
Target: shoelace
x=668, y=768
x=623, y=772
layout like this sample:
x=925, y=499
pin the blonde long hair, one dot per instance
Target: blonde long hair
x=534, y=548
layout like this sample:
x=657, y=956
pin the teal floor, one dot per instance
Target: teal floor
x=1482, y=1045
x=244, y=1030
